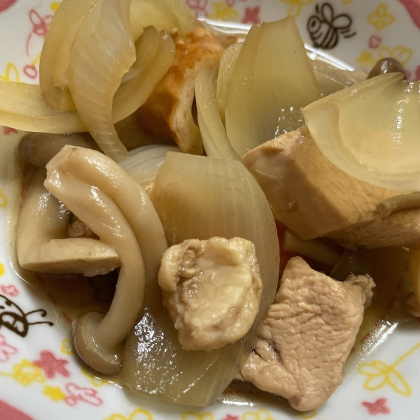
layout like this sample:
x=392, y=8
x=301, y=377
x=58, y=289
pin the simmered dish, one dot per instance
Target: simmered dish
x=236, y=188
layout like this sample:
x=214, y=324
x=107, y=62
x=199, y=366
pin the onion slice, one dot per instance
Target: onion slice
x=22, y=105
x=213, y=132
x=227, y=64
x=383, y=147
x=200, y=197
x=143, y=163
x=102, y=53
x=271, y=82
x=155, y=53
x=56, y=52
x=162, y=14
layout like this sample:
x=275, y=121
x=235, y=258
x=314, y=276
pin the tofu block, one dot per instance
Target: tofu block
x=314, y=198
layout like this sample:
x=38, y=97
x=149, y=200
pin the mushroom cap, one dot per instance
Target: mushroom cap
x=104, y=359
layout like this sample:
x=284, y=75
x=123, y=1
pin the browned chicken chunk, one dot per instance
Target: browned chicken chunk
x=307, y=336
x=314, y=198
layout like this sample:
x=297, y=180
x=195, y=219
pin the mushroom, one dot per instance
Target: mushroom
x=39, y=148
x=42, y=243
x=119, y=211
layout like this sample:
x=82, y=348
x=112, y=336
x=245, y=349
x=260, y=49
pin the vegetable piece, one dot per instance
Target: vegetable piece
x=213, y=133
x=200, y=197
x=22, y=105
x=331, y=79
x=172, y=15
x=227, y=64
x=271, y=82
x=118, y=210
x=142, y=164
x=55, y=53
x=39, y=148
x=41, y=240
x=102, y=53
x=314, y=248
x=383, y=147
x=387, y=65
x=155, y=53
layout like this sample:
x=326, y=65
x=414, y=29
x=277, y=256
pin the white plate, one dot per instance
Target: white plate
x=40, y=378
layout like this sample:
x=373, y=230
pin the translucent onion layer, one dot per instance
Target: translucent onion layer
x=162, y=14
x=143, y=163
x=200, y=197
x=227, y=64
x=22, y=105
x=56, y=52
x=270, y=83
x=213, y=132
x=102, y=53
x=383, y=147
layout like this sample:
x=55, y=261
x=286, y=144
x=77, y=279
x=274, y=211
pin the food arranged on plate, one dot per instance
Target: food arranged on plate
x=251, y=200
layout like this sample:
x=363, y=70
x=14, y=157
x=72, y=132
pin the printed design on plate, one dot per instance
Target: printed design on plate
x=6, y=350
x=67, y=347
x=374, y=42
x=307, y=415
x=2, y=269
x=26, y=373
x=81, y=394
x=41, y=371
x=381, y=374
x=5, y=4
x=139, y=414
x=377, y=407
x=221, y=11
x=257, y=415
x=381, y=18
x=325, y=27
x=11, y=74
x=9, y=130
x=413, y=9
x=367, y=59
x=252, y=15
x=40, y=26
x=16, y=320
x=295, y=7
x=10, y=412
x=7, y=289
x=192, y=415
x=51, y=365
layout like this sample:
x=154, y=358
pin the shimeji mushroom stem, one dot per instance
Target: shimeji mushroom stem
x=95, y=189
x=97, y=337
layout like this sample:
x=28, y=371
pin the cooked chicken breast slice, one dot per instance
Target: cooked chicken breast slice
x=307, y=336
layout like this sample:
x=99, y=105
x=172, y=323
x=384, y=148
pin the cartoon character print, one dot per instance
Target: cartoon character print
x=325, y=29
x=16, y=320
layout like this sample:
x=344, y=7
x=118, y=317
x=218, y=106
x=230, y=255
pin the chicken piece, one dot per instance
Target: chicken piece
x=366, y=283
x=169, y=111
x=212, y=290
x=306, y=338
x=314, y=198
